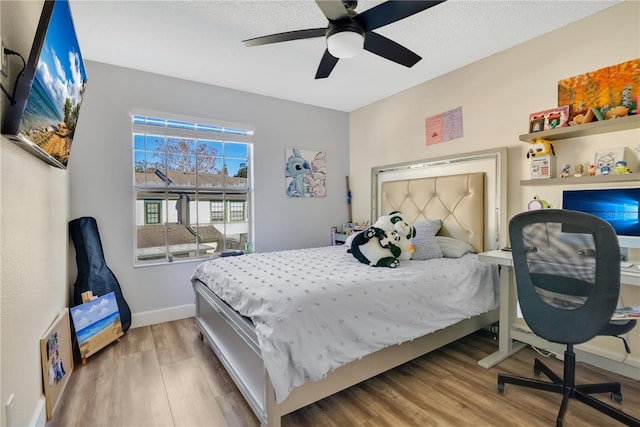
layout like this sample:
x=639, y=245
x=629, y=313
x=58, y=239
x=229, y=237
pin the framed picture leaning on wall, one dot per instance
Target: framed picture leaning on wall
x=57, y=360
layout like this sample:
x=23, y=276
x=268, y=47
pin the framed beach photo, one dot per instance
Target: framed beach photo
x=97, y=324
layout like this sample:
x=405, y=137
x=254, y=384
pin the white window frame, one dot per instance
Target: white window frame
x=149, y=202
x=169, y=128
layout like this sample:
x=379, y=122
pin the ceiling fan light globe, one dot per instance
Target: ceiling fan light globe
x=345, y=44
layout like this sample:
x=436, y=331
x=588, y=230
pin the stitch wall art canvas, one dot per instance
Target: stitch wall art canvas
x=305, y=173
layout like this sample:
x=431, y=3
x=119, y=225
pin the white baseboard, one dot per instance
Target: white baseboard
x=153, y=317
x=627, y=364
x=39, y=418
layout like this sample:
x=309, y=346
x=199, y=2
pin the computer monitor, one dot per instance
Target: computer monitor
x=620, y=207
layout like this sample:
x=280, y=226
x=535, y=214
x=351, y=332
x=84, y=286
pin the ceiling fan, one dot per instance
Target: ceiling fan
x=349, y=32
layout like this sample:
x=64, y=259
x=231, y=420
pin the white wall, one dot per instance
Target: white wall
x=100, y=169
x=34, y=200
x=497, y=95
x=34, y=211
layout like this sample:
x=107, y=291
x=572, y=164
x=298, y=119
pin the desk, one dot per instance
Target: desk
x=510, y=340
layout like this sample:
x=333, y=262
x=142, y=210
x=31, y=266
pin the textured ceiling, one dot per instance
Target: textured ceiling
x=201, y=41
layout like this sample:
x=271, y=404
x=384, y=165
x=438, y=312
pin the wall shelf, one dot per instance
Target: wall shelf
x=596, y=179
x=593, y=128
x=587, y=129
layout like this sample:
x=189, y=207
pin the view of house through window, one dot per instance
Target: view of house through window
x=191, y=186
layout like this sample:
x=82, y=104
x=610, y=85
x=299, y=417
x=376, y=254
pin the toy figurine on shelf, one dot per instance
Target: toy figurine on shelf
x=579, y=170
x=605, y=170
x=565, y=171
x=592, y=170
x=621, y=167
x=543, y=156
x=537, y=203
x=619, y=111
x=540, y=147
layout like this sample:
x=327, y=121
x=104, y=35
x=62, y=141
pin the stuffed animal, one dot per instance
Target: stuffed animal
x=577, y=120
x=394, y=222
x=540, y=147
x=375, y=248
x=538, y=203
x=614, y=112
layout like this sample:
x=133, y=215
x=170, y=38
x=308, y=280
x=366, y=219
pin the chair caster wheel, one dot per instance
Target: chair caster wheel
x=501, y=388
x=616, y=397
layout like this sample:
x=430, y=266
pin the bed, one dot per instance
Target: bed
x=284, y=324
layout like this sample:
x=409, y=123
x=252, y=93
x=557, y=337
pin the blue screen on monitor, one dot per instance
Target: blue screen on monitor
x=619, y=207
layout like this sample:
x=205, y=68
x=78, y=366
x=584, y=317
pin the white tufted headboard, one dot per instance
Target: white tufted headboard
x=467, y=192
x=458, y=200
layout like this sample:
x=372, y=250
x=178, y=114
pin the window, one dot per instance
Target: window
x=237, y=211
x=152, y=212
x=229, y=210
x=191, y=186
x=217, y=211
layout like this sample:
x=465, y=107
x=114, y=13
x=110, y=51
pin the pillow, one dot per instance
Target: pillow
x=453, y=248
x=424, y=244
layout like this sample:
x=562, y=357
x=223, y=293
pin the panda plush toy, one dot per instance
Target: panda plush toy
x=394, y=222
x=385, y=243
x=375, y=248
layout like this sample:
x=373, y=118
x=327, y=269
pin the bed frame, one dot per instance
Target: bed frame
x=420, y=190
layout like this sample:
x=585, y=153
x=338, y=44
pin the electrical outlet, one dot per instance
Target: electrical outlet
x=5, y=63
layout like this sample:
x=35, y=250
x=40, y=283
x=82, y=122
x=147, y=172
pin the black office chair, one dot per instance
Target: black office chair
x=567, y=267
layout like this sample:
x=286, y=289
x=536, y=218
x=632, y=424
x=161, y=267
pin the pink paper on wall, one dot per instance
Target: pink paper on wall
x=444, y=127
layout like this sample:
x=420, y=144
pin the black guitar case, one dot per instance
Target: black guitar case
x=93, y=273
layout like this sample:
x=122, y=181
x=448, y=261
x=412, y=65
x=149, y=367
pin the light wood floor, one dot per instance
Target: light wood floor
x=164, y=375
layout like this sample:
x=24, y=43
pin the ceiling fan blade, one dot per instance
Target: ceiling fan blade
x=285, y=37
x=382, y=46
x=332, y=9
x=392, y=11
x=327, y=63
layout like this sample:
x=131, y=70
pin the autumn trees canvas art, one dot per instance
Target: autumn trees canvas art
x=604, y=89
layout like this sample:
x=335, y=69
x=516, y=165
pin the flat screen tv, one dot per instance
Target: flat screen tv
x=42, y=119
x=618, y=206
